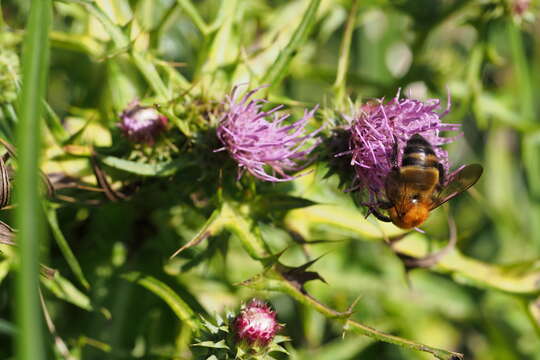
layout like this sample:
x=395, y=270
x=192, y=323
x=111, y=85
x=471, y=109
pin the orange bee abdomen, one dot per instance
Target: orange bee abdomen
x=414, y=217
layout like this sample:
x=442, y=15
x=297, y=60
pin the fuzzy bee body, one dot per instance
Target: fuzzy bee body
x=418, y=186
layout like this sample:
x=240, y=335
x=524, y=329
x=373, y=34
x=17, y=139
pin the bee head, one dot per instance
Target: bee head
x=411, y=216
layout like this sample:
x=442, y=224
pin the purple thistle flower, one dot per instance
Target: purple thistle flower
x=142, y=124
x=256, y=323
x=378, y=126
x=258, y=143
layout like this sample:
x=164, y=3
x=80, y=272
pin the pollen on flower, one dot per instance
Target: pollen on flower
x=142, y=124
x=261, y=142
x=256, y=323
x=378, y=126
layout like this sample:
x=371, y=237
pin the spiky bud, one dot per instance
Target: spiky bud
x=142, y=124
x=256, y=323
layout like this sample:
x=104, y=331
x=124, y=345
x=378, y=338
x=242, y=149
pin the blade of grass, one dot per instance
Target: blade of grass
x=65, y=249
x=277, y=71
x=28, y=217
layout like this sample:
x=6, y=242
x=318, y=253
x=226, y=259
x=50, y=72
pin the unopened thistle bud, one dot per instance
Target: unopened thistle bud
x=256, y=323
x=142, y=124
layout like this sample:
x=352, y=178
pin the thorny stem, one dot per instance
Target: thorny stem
x=276, y=282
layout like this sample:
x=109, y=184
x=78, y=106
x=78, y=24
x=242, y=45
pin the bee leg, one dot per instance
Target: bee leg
x=385, y=205
x=379, y=216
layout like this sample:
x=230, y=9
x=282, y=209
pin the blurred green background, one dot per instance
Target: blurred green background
x=482, y=300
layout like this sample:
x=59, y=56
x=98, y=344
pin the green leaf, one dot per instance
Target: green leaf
x=213, y=329
x=268, y=203
x=65, y=249
x=191, y=11
x=277, y=71
x=28, y=216
x=178, y=306
x=149, y=71
x=214, y=345
x=65, y=290
x=531, y=154
x=115, y=32
x=160, y=169
x=7, y=328
x=117, y=10
x=56, y=128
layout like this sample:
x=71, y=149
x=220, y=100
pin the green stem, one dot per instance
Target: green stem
x=28, y=215
x=244, y=229
x=193, y=14
x=521, y=70
x=344, y=55
x=287, y=287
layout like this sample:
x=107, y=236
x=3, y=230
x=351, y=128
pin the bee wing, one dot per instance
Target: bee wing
x=462, y=180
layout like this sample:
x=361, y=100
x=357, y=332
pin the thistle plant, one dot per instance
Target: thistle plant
x=236, y=177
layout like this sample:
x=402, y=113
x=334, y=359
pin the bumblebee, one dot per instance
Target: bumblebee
x=419, y=186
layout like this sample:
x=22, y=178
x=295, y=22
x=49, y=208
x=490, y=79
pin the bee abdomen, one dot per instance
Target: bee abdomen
x=419, y=152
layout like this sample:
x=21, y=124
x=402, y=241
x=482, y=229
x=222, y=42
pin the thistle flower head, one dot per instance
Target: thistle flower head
x=142, y=124
x=256, y=323
x=519, y=7
x=379, y=125
x=260, y=141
